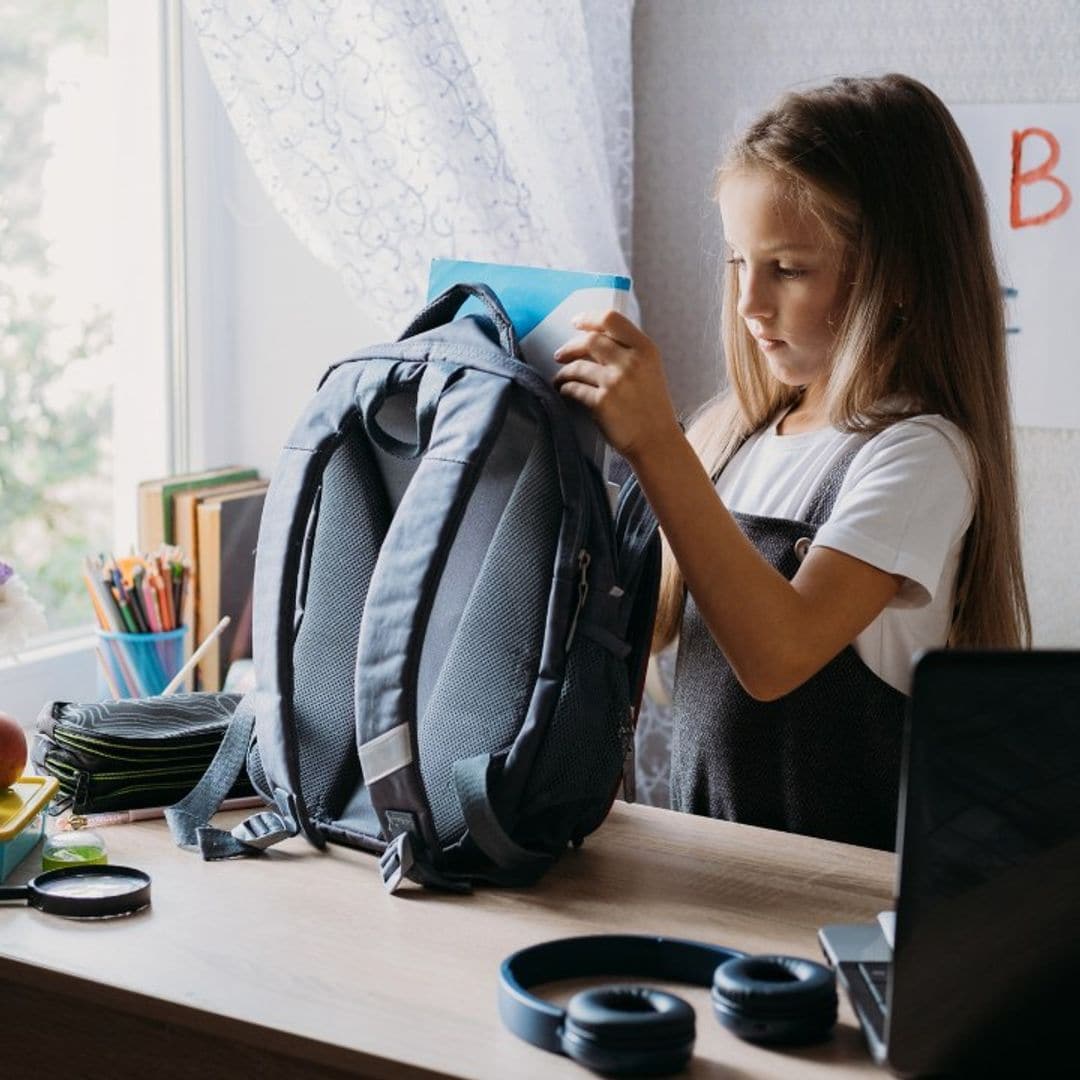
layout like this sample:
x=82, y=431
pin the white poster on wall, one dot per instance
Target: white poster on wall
x=1029, y=159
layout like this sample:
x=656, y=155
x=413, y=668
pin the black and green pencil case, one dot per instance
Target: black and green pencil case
x=133, y=753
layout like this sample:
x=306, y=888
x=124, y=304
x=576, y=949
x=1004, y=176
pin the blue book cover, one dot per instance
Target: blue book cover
x=541, y=302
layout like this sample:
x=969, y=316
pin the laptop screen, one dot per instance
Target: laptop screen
x=987, y=932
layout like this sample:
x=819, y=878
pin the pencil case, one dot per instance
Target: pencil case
x=133, y=753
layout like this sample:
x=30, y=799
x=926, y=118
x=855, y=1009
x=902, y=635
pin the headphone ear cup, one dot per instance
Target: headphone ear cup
x=775, y=999
x=624, y=1030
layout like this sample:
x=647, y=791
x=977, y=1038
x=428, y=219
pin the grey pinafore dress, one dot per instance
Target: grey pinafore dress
x=824, y=760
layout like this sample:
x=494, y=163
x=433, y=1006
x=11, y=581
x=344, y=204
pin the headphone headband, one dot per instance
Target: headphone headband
x=626, y=1030
x=600, y=955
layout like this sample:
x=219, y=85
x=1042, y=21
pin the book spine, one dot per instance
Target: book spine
x=208, y=591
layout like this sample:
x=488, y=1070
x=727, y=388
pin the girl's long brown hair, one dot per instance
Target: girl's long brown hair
x=882, y=164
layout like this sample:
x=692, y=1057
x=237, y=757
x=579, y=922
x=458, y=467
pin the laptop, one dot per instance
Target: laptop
x=978, y=970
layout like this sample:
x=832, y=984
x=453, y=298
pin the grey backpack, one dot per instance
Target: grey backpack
x=451, y=624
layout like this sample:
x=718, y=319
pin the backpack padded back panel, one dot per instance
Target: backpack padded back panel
x=490, y=668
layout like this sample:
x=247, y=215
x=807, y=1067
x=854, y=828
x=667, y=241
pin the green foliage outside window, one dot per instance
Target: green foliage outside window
x=55, y=384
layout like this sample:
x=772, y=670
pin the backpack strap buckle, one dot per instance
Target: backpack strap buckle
x=396, y=862
x=263, y=830
x=406, y=856
x=253, y=835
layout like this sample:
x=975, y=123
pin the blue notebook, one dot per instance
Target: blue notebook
x=541, y=302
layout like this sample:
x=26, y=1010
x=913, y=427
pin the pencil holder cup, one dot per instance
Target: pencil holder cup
x=140, y=665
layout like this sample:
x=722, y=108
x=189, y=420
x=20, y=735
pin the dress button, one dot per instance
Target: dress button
x=802, y=546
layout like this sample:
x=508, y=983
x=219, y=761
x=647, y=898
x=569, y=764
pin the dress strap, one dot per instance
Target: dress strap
x=821, y=505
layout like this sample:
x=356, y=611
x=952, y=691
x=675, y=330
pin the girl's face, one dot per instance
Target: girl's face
x=791, y=283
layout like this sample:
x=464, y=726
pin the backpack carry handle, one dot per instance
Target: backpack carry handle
x=443, y=308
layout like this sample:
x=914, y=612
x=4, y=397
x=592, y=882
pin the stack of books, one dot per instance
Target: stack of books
x=213, y=517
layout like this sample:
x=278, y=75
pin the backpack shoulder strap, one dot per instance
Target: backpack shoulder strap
x=470, y=414
x=189, y=819
x=637, y=539
x=359, y=387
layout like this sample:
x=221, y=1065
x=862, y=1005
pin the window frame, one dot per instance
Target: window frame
x=145, y=50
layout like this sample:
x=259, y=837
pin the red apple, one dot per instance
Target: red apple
x=12, y=751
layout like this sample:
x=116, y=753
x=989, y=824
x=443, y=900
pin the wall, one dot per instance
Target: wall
x=702, y=68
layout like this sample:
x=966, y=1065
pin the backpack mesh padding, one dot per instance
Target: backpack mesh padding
x=580, y=759
x=353, y=515
x=483, y=691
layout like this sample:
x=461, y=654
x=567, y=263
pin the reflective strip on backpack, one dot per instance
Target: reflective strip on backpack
x=386, y=753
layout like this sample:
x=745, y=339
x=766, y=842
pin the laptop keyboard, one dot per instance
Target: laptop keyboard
x=876, y=977
x=867, y=983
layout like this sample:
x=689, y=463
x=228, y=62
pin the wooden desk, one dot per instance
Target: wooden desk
x=299, y=964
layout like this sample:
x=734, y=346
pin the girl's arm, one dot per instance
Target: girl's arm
x=774, y=633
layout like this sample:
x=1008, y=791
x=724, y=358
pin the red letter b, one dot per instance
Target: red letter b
x=1041, y=172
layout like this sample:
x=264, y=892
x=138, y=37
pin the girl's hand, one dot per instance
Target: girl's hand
x=615, y=371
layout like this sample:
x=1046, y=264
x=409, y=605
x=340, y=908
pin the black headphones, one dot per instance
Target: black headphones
x=639, y=1030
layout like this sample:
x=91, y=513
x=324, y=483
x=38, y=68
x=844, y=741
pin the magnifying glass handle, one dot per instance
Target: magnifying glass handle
x=14, y=892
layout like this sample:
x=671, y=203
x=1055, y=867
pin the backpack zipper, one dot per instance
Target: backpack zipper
x=584, y=558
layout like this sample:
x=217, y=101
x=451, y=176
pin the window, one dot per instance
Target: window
x=84, y=285
x=193, y=249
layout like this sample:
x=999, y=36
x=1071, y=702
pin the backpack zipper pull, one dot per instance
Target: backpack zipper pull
x=584, y=558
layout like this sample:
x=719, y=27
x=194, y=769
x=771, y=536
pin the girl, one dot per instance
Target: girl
x=850, y=499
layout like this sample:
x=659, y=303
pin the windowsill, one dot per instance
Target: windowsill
x=61, y=643
x=61, y=667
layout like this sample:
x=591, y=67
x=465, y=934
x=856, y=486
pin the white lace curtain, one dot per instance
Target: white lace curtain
x=390, y=132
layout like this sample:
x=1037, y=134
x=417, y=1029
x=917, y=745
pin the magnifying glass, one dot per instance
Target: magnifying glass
x=85, y=892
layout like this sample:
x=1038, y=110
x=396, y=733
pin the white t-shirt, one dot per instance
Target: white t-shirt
x=904, y=506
